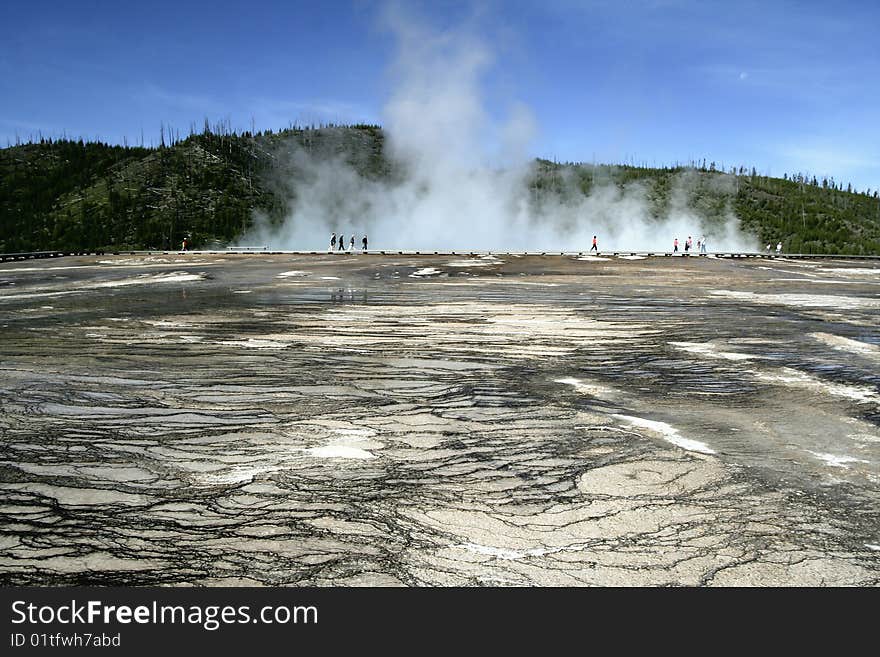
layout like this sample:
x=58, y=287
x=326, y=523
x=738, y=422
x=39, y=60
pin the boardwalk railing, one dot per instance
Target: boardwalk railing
x=36, y=255
x=264, y=250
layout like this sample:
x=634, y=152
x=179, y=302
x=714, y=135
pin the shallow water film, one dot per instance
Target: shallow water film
x=439, y=420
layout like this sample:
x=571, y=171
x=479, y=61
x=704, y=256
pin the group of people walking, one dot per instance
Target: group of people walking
x=341, y=243
x=338, y=244
x=689, y=244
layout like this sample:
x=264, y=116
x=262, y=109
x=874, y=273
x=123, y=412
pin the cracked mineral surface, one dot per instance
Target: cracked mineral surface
x=439, y=420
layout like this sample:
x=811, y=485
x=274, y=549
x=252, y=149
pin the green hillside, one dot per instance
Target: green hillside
x=75, y=195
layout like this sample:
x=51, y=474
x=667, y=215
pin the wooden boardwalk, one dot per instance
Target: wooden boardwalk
x=259, y=251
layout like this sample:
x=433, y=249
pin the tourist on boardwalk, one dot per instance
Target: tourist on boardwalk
x=675, y=245
x=595, y=246
x=351, y=244
x=687, y=245
x=183, y=245
x=332, y=241
x=364, y=243
x=342, y=242
x=778, y=248
x=703, y=244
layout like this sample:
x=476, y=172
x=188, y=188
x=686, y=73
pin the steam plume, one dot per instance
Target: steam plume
x=465, y=178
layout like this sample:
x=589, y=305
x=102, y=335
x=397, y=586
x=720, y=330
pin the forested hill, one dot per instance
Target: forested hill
x=75, y=195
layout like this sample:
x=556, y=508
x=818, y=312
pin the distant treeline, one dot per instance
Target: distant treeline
x=84, y=195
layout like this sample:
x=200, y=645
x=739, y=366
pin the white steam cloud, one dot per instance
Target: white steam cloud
x=466, y=180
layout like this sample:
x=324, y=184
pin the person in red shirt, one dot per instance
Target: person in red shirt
x=595, y=246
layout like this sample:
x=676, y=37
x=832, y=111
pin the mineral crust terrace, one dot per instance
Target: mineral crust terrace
x=432, y=420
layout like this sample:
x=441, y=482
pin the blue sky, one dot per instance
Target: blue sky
x=782, y=86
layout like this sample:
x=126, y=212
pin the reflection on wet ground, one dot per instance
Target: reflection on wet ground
x=427, y=420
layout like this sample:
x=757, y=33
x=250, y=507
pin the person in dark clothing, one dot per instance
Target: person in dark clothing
x=342, y=242
x=332, y=241
x=351, y=244
x=595, y=246
x=364, y=243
